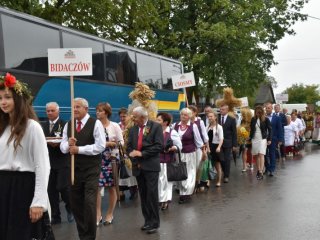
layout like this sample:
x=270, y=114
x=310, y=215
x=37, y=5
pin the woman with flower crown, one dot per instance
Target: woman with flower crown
x=24, y=163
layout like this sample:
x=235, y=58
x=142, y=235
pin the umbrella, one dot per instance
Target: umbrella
x=234, y=154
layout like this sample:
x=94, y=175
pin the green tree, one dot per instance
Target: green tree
x=225, y=42
x=300, y=93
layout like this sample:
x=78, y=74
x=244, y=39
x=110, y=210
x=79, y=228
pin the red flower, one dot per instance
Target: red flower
x=9, y=80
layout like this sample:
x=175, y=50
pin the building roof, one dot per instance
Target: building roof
x=265, y=94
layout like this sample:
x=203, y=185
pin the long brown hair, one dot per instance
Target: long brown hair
x=18, y=121
x=216, y=116
x=259, y=113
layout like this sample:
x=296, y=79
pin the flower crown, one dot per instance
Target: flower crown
x=10, y=81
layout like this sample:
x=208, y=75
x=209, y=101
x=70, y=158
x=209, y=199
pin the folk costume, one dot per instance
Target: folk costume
x=191, y=140
x=164, y=186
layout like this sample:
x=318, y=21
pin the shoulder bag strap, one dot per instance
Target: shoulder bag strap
x=121, y=151
x=179, y=155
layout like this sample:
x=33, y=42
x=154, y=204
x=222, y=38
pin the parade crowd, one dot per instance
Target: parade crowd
x=35, y=166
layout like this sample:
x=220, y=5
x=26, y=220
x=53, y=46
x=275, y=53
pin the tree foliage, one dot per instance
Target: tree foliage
x=300, y=93
x=225, y=42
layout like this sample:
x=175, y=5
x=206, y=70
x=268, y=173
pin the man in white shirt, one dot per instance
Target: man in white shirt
x=88, y=142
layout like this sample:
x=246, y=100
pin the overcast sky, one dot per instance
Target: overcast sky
x=298, y=56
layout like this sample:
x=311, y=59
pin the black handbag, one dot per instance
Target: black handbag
x=123, y=169
x=42, y=230
x=177, y=171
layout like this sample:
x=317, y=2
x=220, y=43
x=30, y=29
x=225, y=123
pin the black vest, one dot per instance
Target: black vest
x=85, y=137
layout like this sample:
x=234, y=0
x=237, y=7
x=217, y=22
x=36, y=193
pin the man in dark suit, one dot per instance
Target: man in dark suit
x=207, y=110
x=145, y=142
x=229, y=145
x=283, y=123
x=277, y=139
x=59, y=180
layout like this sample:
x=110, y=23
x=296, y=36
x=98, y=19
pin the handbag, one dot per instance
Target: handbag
x=177, y=171
x=298, y=145
x=123, y=169
x=42, y=229
x=211, y=172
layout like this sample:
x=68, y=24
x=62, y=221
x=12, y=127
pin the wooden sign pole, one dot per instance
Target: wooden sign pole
x=186, y=96
x=72, y=125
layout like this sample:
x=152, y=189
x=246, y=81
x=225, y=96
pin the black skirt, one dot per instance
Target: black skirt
x=216, y=157
x=16, y=194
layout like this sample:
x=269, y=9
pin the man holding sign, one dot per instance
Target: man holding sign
x=86, y=145
x=83, y=138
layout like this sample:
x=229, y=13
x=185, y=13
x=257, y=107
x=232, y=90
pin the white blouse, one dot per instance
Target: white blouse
x=203, y=131
x=31, y=156
x=174, y=137
x=217, y=133
x=115, y=135
x=92, y=149
x=298, y=124
x=290, y=133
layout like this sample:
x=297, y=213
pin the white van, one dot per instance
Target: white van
x=300, y=107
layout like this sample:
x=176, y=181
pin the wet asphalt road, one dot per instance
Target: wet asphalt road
x=286, y=206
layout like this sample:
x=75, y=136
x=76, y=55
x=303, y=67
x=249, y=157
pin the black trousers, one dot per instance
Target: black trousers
x=84, y=201
x=225, y=163
x=59, y=182
x=148, y=190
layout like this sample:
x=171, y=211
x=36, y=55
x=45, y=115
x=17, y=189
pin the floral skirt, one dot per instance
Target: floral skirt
x=108, y=167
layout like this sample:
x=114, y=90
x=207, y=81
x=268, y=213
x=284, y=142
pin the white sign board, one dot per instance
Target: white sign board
x=282, y=97
x=70, y=61
x=245, y=102
x=318, y=103
x=183, y=80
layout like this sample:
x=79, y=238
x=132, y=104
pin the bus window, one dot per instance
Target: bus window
x=32, y=54
x=120, y=65
x=169, y=69
x=73, y=41
x=149, y=70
